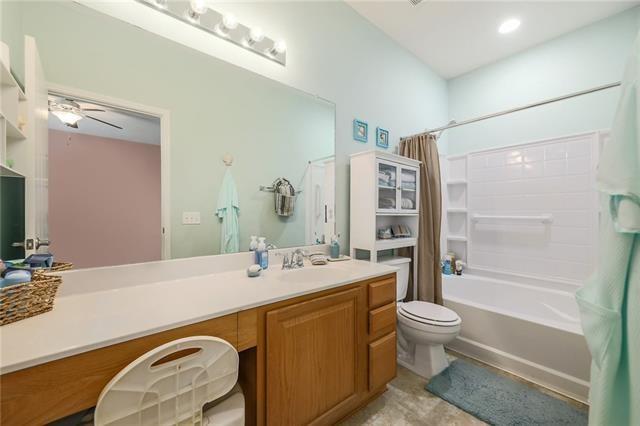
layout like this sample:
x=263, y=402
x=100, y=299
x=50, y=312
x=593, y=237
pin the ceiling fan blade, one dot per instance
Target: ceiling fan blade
x=104, y=122
x=93, y=109
x=73, y=103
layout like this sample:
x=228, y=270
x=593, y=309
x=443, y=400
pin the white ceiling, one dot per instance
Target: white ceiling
x=454, y=37
x=135, y=127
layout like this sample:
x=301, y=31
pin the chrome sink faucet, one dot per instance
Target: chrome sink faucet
x=294, y=260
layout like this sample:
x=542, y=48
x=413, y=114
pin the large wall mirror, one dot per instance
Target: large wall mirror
x=139, y=126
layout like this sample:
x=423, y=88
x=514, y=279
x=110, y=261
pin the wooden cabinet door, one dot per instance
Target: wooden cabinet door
x=382, y=361
x=316, y=364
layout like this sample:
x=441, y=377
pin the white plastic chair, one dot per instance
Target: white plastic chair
x=158, y=389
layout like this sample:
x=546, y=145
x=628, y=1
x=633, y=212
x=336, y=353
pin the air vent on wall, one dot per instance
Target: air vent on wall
x=415, y=2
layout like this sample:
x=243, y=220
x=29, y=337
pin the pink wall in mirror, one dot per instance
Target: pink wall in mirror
x=104, y=200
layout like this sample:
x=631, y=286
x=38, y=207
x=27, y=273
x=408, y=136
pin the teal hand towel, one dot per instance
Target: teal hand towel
x=228, y=211
x=610, y=300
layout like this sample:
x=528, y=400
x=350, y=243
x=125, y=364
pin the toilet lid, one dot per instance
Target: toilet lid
x=429, y=313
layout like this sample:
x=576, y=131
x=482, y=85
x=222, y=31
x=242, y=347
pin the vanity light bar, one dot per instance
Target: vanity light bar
x=224, y=26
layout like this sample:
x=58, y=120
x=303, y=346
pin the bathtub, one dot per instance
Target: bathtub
x=528, y=330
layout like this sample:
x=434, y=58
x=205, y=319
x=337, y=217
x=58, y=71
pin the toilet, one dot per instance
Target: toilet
x=423, y=328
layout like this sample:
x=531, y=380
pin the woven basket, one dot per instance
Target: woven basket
x=20, y=301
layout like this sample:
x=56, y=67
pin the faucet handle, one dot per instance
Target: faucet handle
x=285, y=261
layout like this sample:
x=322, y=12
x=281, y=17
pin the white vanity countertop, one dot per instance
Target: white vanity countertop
x=86, y=320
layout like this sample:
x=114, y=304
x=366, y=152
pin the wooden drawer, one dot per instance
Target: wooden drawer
x=382, y=320
x=382, y=292
x=382, y=361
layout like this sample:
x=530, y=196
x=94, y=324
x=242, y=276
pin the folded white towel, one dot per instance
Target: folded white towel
x=408, y=177
x=318, y=259
x=407, y=203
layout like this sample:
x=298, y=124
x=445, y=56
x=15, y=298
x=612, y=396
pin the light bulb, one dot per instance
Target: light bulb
x=509, y=25
x=229, y=21
x=196, y=8
x=255, y=36
x=279, y=47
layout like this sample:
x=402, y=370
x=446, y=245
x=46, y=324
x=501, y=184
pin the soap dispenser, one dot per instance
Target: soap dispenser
x=334, y=247
x=262, y=254
x=253, y=244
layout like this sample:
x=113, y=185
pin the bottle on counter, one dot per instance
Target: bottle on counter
x=334, y=247
x=253, y=244
x=262, y=254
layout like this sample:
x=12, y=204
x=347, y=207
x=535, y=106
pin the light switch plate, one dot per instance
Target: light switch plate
x=191, y=218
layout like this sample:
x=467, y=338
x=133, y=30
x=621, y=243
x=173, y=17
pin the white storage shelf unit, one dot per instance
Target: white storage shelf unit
x=456, y=206
x=385, y=191
x=12, y=112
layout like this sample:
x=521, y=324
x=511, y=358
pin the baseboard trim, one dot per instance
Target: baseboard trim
x=557, y=381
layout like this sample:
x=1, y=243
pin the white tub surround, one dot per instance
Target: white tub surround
x=530, y=209
x=99, y=307
x=531, y=331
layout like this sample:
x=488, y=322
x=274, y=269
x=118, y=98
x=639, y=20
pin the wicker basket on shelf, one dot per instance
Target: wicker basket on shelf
x=20, y=301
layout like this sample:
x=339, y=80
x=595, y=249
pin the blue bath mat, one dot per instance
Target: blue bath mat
x=499, y=400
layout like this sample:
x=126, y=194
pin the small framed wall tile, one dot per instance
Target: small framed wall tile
x=382, y=137
x=360, y=131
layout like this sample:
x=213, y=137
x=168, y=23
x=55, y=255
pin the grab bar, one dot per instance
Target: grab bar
x=543, y=218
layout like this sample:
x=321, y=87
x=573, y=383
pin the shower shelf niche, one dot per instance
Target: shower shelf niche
x=455, y=200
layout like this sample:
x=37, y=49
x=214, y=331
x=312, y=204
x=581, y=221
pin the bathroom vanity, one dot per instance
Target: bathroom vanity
x=315, y=343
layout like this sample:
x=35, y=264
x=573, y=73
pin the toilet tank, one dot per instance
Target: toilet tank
x=403, y=274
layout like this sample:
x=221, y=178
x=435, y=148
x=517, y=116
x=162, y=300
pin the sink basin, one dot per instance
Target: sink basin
x=314, y=274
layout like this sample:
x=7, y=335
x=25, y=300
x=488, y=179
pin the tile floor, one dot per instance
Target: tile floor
x=406, y=402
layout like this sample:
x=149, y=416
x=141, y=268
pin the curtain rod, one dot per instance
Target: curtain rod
x=521, y=108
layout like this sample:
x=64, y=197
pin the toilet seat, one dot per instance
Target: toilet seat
x=429, y=313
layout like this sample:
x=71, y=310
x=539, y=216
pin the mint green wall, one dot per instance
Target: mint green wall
x=589, y=57
x=11, y=34
x=271, y=130
x=332, y=52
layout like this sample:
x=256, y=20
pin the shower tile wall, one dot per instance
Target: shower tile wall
x=554, y=177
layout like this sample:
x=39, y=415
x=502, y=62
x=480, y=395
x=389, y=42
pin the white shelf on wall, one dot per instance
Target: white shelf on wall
x=395, y=243
x=7, y=79
x=457, y=188
x=9, y=172
x=13, y=109
x=13, y=132
x=396, y=214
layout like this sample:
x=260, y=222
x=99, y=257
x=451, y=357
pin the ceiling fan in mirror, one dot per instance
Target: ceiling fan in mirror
x=71, y=112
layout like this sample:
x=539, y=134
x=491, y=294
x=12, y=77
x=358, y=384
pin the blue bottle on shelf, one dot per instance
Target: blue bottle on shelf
x=334, y=248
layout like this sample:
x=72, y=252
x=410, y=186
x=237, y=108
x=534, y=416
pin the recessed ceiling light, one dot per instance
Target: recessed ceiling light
x=509, y=25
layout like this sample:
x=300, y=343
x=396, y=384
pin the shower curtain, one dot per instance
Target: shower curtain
x=424, y=149
x=610, y=301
